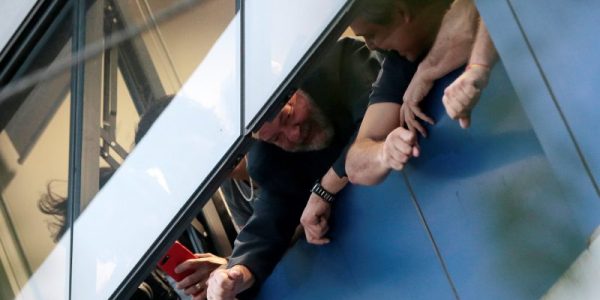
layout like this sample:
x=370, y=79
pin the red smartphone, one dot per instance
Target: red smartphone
x=175, y=256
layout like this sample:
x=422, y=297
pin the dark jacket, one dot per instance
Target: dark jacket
x=340, y=86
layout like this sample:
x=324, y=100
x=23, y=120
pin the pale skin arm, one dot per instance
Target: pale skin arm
x=463, y=94
x=225, y=284
x=381, y=145
x=450, y=50
x=195, y=284
x=317, y=211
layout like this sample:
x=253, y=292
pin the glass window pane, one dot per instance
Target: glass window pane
x=152, y=179
x=275, y=40
x=34, y=162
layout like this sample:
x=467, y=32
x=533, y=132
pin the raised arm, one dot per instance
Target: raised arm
x=451, y=49
x=463, y=94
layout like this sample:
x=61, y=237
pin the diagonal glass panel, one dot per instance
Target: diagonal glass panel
x=156, y=180
x=277, y=34
x=181, y=149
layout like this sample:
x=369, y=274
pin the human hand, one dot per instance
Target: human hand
x=225, y=284
x=399, y=146
x=463, y=94
x=408, y=111
x=201, y=266
x=314, y=220
x=419, y=87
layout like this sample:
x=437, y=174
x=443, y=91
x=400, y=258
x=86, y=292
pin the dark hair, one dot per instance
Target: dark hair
x=150, y=115
x=381, y=11
x=56, y=206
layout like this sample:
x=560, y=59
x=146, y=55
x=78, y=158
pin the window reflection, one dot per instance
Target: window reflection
x=122, y=84
x=34, y=153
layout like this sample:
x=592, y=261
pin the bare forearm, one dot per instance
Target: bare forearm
x=364, y=165
x=454, y=41
x=332, y=182
x=484, y=51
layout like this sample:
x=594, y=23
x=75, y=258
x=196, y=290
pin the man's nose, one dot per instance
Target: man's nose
x=293, y=134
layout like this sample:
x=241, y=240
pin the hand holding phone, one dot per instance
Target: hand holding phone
x=175, y=256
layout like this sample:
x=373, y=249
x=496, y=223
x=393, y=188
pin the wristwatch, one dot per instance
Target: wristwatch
x=321, y=192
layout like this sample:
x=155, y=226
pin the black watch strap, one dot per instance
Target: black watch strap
x=323, y=193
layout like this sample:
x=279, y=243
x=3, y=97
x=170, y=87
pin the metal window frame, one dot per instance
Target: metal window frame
x=27, y=37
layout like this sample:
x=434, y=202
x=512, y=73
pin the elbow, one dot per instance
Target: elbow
x=360, y=179
x=360, y=176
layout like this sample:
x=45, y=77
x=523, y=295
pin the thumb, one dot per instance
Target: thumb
x=465, y=122
x=235, y=274
x=416, y=151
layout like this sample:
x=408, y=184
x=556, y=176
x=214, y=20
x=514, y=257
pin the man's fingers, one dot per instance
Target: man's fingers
x=417, y=111
x=419, y=128
x=407, y=136
x=397, y=161
x=184, y=266
x=203, y=255
x=321, y=241
x=317, y=231
x=416, y=151
x=200, y=296
x=400, y=152
x=402, y=108
x=317, y=238
x=312, y=220
x=465, y=122
x=195, y=289
x=199, y=275
x=453, y=107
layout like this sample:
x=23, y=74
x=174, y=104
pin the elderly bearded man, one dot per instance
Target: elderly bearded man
x=300, y=156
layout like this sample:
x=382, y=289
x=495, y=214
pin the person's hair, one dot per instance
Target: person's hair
x=55, y=206
x=381, y=11
x=150, y=115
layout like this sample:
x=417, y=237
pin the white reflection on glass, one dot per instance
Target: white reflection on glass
x=160, y=178
x=276, y=67
x=104, y=272
x=217, y=86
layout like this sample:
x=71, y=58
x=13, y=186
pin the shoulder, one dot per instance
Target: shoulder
x=393, y=79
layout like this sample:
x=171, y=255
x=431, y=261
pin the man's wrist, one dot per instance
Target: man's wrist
x=426, y=70
x=320, y=191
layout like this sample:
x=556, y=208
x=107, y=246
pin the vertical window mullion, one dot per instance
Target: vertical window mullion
x=76, y=123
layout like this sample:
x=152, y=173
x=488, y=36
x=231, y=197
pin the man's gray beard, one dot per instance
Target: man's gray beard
x=325, y=133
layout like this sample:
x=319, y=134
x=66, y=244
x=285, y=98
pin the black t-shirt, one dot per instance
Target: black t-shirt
x=393, y=79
